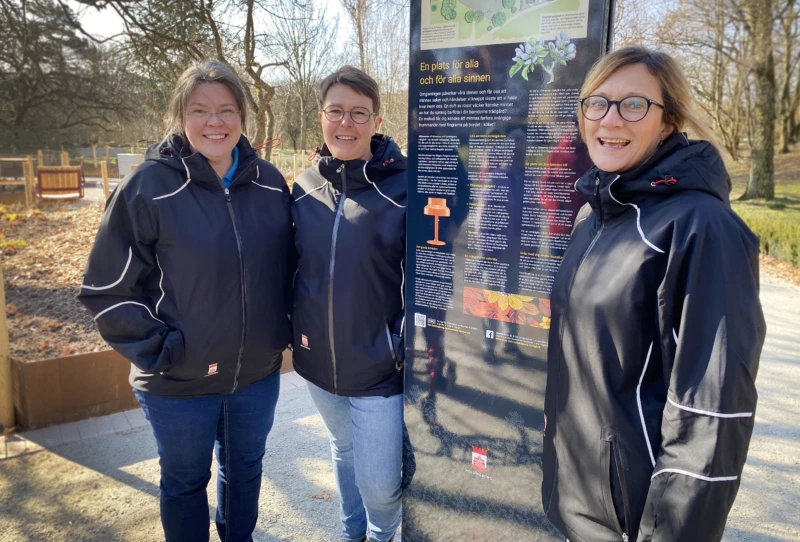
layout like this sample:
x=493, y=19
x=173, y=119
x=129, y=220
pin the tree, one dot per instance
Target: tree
x=52, y=78
x=758, y=15
x=789, y=78
x=709, y=39
x=360, y=13
x=306, y=37
x=164, y=36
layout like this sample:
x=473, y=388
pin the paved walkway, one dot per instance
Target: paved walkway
x=96, y=480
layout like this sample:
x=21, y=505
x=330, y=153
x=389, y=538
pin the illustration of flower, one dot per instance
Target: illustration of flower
x=505, y=307
x=524, y=53
x=536, y=52
x=504, y=301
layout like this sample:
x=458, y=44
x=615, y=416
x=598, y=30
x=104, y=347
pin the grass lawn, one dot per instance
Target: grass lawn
x=776, y=222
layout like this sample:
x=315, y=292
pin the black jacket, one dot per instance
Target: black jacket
x=350, y=222
x=188, y=280
x=654, y=346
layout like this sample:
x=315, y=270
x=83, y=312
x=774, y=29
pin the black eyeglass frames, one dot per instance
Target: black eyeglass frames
x=632, y=108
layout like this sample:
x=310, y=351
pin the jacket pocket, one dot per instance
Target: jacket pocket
x=615, y=487
x=396, y=347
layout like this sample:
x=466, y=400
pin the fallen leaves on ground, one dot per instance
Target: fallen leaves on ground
x=43, y=276
x=322, y=496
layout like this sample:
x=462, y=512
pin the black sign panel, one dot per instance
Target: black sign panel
x=494, y=152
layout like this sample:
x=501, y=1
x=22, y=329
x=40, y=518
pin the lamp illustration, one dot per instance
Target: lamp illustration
x=437, y=207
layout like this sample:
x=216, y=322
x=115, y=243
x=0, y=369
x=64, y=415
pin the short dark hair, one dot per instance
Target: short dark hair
x=203, y=71
x=354, y=78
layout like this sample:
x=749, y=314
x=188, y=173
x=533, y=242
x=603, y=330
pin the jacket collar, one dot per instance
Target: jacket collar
x=176, y=153
x=386, y=159
x=678, y=165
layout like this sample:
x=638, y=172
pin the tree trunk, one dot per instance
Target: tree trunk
x=261, y=121
x=303, y=121
x=762, y=120
x=270, y=130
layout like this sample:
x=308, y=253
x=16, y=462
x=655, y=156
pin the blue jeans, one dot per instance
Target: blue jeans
x=187, y=429
x=366, y=449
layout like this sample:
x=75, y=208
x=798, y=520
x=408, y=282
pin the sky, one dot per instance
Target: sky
x=106, y=23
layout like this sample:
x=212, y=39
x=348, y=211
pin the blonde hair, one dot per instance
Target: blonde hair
x=203, y=71
x=679, y=112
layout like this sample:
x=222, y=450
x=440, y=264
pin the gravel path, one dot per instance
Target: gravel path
x=105, y=489
x=766, y=508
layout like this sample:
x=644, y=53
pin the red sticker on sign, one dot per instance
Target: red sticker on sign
x=479, y=457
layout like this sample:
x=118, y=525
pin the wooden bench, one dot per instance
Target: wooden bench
x=59, y=182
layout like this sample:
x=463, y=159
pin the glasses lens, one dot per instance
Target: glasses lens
x=633, y=108
x=360, y=115
x=595, y=107
x=334, y=114
x=228, y=114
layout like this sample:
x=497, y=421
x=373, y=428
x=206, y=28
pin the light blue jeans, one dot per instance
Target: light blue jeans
x=367, y=453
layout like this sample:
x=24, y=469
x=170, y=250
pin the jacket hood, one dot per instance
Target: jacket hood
x=175, y=153
x=386, y=160
x=678, y=165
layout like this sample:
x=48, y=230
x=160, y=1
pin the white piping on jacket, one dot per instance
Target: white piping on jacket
x=268, y=187
x=403, y=297
x=101, y=313
x=379, y=190
x=675, y=335
x=639, y=402
x=710, y=413
x=638, y=217
x=320, y=187
x=698, y=476
x=122, y=276
x=160, y=285
x=188, y=180
x=294, y=277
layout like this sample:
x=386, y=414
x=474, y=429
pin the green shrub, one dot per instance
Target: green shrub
x=777, y=224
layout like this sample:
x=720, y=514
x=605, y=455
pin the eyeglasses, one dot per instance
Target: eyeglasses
x=359, y=115
x=632, y=108
x=225, y=115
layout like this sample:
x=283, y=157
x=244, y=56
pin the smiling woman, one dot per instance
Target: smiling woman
x=656, y=326
x=350, y=221
x=187, y=279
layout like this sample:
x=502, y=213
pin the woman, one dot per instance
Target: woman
x=187, y=279
x=656, y=326
x=350, y=219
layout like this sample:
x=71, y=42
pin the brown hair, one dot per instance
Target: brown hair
x=354, y=78
x=679, y=112
x=203, y=71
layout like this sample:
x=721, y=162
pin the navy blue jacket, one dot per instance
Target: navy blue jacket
x=348, y=321
x=655, y=339
x=188, y=280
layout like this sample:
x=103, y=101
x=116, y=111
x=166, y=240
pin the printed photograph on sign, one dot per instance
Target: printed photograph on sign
x=505, y=307
x=454, y=23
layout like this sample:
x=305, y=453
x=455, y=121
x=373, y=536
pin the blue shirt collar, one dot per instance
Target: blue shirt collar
x=228, y=179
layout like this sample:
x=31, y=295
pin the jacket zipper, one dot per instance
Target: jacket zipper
x=572, y=283
x=244, y=290
x=331, y=269
x=624, y=486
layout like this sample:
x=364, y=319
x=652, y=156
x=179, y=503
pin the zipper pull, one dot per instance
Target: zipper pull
x=228, y=195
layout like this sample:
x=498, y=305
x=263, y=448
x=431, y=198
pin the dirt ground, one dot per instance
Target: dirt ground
x=45, y=319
